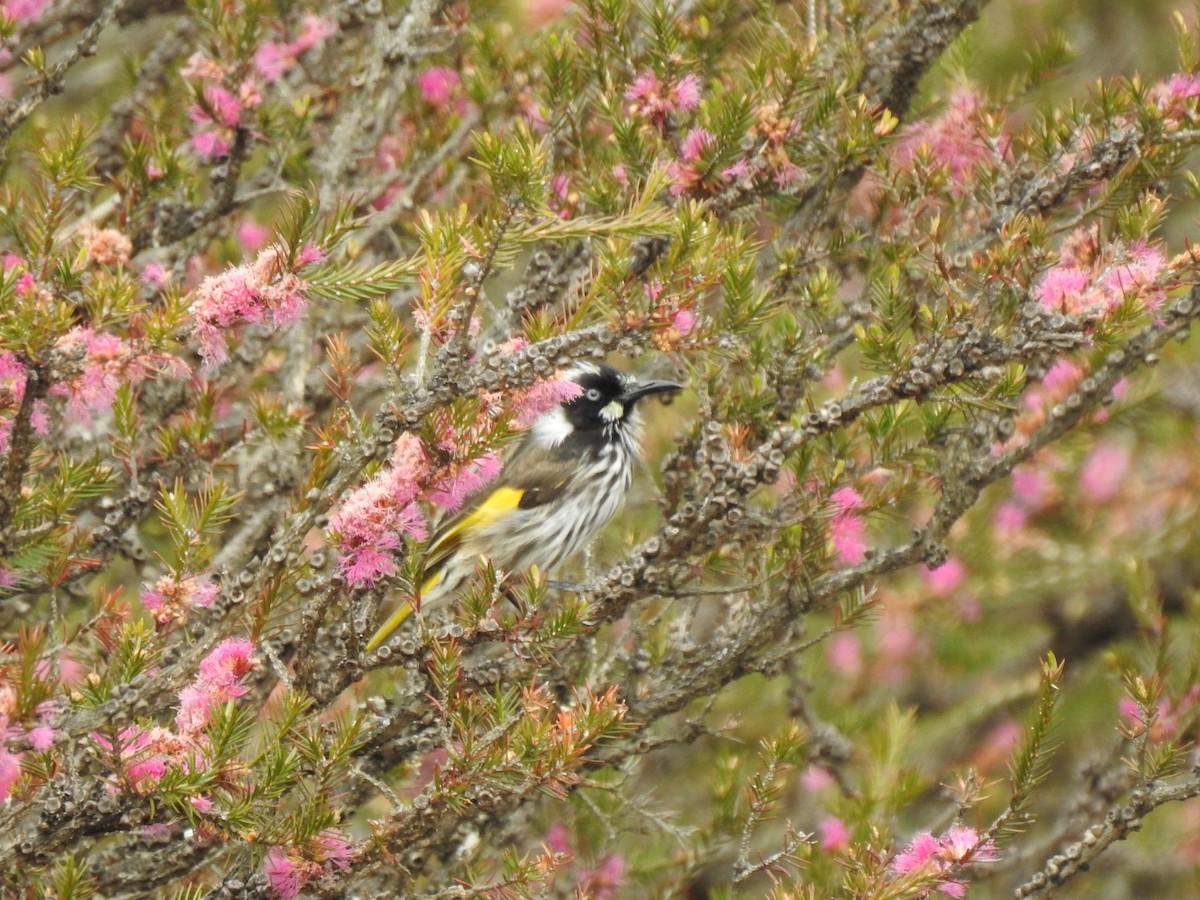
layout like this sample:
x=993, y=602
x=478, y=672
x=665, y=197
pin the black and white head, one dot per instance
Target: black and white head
x=605, y=412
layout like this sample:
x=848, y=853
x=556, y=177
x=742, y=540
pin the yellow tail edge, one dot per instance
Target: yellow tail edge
x=394, y=621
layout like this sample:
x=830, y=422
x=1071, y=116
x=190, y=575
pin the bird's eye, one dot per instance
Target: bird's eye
x=592, y=394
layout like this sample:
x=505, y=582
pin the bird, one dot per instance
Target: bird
x=561, y=484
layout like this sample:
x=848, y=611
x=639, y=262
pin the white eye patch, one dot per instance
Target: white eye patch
x=613, y=411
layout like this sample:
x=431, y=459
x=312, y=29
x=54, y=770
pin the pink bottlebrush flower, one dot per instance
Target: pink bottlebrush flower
x=169, y=599
x=692, y=147
x=922, y=849
x=12, y=369
x=558, y=839
x=371, y=520
x=655, y=100
x=687, y=92
x=228, y=663
x=437, y=84
x=246, y=294
x=224, y=107
x=218, y=681
x=621, y=174
x=1138, y=277
x=333, y=848
x=847, y=531
x=195, y=710
x=543, y=397
x=23, y=10
x=846, y=498
x=272, y=59
x=453, y=490
x=284, y=875
x=844, y=651
x=1032, y=486
x=1009, y=518
x=210, y=144
x=201, y=804
x=41, y=737
x=314, y=30
x=1061, y=288
x=12, y=260
x=835, y=836
x=310, y=253
x=605, y=880
x=155, y=274
x=1171, y=97
x=739, y=170
x=539, y=12
x=202, y=68
x=253, y=236
x=684, y=321
x=10, y=771
x=366, y=565
x=946, y=578
x=105, y=246
x=955, y=140
x=816, y=779
x=848, y=534
x=958, y=846
x=1104, y=471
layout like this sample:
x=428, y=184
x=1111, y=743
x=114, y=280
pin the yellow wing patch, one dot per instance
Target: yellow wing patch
x=491, y=508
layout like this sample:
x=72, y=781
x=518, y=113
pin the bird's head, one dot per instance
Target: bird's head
x=605, y=408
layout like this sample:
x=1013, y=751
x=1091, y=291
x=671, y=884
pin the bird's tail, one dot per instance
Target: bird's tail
x=395, y=620
x=403, y=611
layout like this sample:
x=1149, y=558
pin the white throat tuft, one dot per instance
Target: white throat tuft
x=552, y=428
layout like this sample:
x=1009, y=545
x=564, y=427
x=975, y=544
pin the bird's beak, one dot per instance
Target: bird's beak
x=646, y=388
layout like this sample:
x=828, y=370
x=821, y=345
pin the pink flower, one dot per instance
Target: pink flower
x=1171, y=96
x=271, y=59
x=956, y=140
x=848, y=534
x=105, y=246
x=23, y=10
x=684, y=321
x=210, y=144
x=922, y=849
x=958, y=847
x=835, y=836
x=10, y=771
x=437, y=84
x=253, y=236
x=155, y=274
x=223, y=106
x=285, y=876
x=694, y=143
x=1103, y=472
x=687, y=92
x=845, y=654
x=170, y=599
x=224, y=666
x=1061, y=287
x=289, y=869
x=371, y=520
x=218, y=681
x=246, y=294
x=543, y=397
x=41, y=737
x=603, y=881
x=453, y=490
x=946, y=578
x=655, y=100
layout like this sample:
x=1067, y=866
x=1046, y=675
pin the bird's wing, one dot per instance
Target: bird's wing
x=528, y=480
